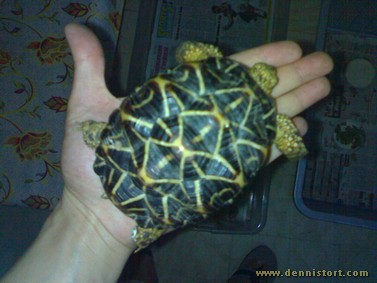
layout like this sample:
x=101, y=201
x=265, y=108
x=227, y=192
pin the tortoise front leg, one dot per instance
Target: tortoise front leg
x=192, y=51
x=288, y=139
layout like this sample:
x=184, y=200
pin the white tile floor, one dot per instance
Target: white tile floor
x=299, y=243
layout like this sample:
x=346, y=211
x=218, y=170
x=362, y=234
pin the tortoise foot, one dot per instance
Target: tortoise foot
x=288, y=139
x=265, y=76
x=196, y=51
x=143, y=237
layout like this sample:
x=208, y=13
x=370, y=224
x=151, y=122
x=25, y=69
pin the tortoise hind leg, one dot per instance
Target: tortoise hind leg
x=91, y=131
x=143, y=237
x=191, y=51
x=288, y=139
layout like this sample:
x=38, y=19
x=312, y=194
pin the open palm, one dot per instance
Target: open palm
x=302, y=83
x=89, y=100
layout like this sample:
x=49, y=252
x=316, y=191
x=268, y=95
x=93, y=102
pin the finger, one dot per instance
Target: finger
x=89, y=92
x=302, y=127
x=275, y=54
x=301, y=98
x=87, y=55
x=302, y=71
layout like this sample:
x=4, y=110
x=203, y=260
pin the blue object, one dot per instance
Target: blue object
x=337, y=181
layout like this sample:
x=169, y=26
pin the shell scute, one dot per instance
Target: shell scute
x=186, y=143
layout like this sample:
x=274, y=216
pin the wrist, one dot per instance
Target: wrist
x=73, y=246
x=97, y=251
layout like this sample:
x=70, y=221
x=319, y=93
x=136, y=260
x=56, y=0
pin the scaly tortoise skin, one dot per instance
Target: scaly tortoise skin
x=186, y=142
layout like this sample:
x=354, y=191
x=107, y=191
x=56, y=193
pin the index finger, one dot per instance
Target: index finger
x=276, y=54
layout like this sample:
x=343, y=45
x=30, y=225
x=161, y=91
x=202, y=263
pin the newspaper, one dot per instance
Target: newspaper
x=232, y=25
x=345, y=168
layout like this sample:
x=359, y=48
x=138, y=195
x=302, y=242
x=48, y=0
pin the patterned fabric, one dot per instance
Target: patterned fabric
x=36, y=70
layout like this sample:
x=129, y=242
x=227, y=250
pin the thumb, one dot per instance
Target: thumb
x=88, y=60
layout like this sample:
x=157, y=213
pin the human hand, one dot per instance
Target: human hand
x=301, y=84
x=90, y=100
x=87, y=238
x=302, y=80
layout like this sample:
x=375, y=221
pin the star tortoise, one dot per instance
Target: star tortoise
x=187, y=141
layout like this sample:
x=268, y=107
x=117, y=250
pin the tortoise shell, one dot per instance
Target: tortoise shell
x=185, y=143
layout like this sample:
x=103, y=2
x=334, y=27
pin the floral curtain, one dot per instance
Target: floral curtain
x=36, y=69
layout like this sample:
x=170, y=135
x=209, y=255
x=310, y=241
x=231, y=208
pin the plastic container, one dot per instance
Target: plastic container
x=247, y=215
x=338, y=180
